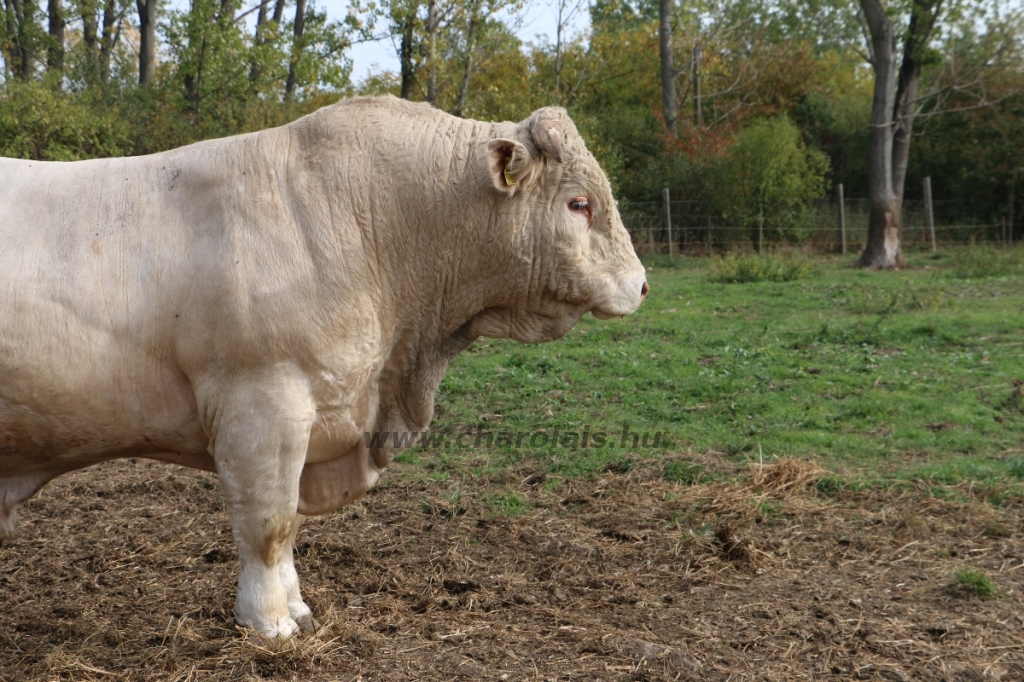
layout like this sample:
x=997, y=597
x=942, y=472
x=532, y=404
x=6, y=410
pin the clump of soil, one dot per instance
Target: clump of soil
x=127, y=570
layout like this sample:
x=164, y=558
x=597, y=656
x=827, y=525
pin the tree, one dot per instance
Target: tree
x=959, y=62
x=893, y=108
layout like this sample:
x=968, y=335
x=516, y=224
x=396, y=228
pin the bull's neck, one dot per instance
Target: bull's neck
x=438, y=264
x=445, y=235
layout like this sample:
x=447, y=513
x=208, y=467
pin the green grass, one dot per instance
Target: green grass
x=987, y=261
x=506, y=504
x=974, y=582
x=686, y=473
x=876, y=375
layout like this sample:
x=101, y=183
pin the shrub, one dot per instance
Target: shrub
x=767, y=177
x=38, y=122
x=753, y=267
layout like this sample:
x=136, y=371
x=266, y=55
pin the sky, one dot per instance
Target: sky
x=538, y=18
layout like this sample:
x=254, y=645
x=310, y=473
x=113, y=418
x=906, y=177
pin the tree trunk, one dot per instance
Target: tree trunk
x=7, y=48
x=147, y=41
x=406, y=53
x=882, y=249
x=194, y=81
x=698, y=113
x=559, y=27
x=432, y=23
x=259, y=39
x=21, y=55
x=87, y=9
x=108, y=39
x=668, y=73
x=470, y=46
x=55, y=50
x=922, y=21
x=261, y=21
x=300, y=25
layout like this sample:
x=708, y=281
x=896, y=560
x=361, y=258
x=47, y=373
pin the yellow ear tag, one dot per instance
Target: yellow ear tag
x=509, y=180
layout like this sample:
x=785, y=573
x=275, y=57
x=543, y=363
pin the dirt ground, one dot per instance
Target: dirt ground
x=127, y=571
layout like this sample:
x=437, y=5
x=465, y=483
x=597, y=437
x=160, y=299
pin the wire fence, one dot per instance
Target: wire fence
x=695, y=231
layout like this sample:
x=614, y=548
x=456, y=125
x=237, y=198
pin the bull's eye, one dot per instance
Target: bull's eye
x=580, y=205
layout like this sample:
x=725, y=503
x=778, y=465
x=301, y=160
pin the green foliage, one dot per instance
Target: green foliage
x=974, y=582
x=753, y=267
x=39, y=122
x=213, y=78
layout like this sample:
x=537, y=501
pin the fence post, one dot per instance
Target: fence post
x=1009, y=233
x=668, y=221
x=760, y=229
x=929, y=216
x=842, y=219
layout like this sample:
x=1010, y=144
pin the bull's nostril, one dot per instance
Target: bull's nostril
x=643, y=291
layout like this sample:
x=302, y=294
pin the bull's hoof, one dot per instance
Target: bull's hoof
x=279, y=631
x=308, y=624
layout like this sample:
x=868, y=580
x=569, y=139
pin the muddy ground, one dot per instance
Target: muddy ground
x=127, y=571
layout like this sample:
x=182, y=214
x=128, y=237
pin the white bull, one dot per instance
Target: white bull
x=254, y=305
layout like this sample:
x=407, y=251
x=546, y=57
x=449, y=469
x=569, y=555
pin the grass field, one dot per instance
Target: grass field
x=878, y=376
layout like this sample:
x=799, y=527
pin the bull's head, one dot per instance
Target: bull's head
x=554, y=211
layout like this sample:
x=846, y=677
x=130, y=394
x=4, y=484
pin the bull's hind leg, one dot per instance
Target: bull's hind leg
x=14, y=491
x=259, y=438
x=297, y=608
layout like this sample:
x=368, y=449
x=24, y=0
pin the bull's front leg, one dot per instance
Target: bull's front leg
x=259, y=437
x=297, y=608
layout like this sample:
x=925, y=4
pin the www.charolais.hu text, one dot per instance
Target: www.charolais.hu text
x=624, y=438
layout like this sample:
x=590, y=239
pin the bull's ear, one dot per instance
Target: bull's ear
x=509, y=164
